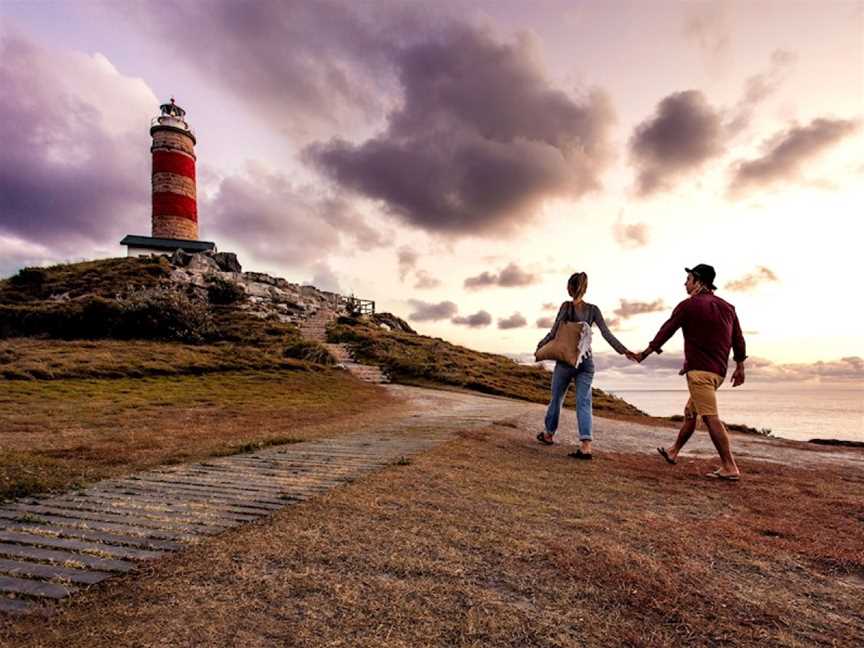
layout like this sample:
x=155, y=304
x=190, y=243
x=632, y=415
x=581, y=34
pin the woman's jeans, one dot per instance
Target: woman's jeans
x=582, y=375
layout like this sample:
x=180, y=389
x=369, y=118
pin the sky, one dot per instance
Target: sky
x=457, y=162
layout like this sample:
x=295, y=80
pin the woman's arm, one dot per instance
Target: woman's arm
x=607, y=334
x=551, y=334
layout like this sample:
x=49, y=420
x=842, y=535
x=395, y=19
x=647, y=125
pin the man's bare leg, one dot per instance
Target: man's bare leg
x=720, y=438
x=684, y=434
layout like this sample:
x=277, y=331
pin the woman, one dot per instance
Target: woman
x=576, y=310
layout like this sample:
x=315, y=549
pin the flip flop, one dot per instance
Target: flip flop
x=541, y=437
x=581, y=455
x=665, y=454
x=718, y=475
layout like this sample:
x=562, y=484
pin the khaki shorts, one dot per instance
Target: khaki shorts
x=703, y=387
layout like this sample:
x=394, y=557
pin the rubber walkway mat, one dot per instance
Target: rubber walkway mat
x=51, y=547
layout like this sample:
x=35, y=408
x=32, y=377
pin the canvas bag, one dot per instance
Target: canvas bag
x=570, y=344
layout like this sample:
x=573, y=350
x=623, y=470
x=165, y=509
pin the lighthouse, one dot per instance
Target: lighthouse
x=174, y=199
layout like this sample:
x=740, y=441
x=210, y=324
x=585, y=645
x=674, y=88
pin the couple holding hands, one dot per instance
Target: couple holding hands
x=711, y=329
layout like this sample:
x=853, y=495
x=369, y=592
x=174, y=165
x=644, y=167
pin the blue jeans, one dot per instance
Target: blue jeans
x=582, y=375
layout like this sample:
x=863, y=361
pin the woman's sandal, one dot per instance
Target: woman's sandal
x=541, y=437
x=581, y=455
x=665, y=454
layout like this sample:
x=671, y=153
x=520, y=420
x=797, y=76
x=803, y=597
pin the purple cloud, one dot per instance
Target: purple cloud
x=516, y=320
x=479, y=319
x=787, y=151
x=75, y=166
x=511, y=276
x=466, y=151
x=628, y=309
x=752, y=279
x=545, y=322
x=427, y=312
x=683, y=134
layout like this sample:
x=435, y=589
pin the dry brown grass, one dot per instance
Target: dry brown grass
x=494, y=541
x=56, y=434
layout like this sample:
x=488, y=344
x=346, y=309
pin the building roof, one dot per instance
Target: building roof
x=167, y=244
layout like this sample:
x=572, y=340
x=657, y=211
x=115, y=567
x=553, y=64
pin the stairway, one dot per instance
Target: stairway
x=315, y=328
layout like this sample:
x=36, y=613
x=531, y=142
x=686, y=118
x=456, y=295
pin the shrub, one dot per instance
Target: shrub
x=223, y=292
x=309, y=351
x=153, y=313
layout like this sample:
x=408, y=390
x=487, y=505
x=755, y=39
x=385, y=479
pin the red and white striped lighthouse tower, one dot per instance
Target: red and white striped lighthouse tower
x=175, y=207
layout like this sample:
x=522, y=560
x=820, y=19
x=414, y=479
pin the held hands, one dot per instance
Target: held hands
x=638, y=357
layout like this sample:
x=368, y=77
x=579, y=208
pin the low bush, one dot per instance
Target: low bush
x=223, y=292
x=309, y=351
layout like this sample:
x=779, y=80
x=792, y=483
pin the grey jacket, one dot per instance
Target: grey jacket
x=568, y=313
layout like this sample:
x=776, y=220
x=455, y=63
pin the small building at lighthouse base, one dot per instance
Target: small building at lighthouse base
x=146, y=245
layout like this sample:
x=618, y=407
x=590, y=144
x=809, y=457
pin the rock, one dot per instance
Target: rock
x=202, y=264
x=393, y=322
x=180, y=259
x=227, y=262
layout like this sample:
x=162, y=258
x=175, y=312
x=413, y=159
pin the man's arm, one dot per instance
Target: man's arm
x=666, y=331
x=739, y=351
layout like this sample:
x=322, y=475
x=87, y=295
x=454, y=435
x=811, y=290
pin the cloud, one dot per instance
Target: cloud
x=427, y=312
x=516, y=320
x=75, y=167
x=479, y=140
x=16, y=253
x=512, y=276
x=551, y=306
x=630, y=235
x=324, y=278
x=709, y=26
x=276, y=221
x=683, y=134
x=306, y=68
x=407, y=261
x=758, y=88
x=545, y=322
x=479, y=319
x=630, y=308
x=425, y=281
x=787, y=151
x=751, y=280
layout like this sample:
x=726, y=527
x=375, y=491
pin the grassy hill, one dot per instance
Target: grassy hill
x=420, y=360
x=109, y=367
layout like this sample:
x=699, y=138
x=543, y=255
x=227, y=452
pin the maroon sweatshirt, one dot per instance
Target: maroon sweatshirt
x=710, y=328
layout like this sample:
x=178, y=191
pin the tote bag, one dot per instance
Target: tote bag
x=570, y=344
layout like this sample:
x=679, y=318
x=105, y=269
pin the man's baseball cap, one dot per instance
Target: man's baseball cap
x=704, y=273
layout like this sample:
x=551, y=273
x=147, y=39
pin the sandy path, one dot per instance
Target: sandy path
x=612, y=435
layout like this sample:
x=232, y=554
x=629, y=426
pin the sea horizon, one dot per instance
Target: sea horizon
x=791, y=410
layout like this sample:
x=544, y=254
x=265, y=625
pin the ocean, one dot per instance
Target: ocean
x=791, y=411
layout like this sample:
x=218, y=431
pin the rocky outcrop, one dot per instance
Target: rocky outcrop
x=264, y=296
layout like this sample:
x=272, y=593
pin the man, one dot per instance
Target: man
x=710, y=327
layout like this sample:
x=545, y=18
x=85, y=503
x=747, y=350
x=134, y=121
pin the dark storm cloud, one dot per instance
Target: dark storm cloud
x=545, y=322
x=278, y=222
x=684, y=133
x=751, y=280
x=427, y=312
x=787, y=151
x=479, y=319
x=512, y=276
x=68, y=181
x=516, y=320
x=306, y=67
x=630, y=308
x=479, y=140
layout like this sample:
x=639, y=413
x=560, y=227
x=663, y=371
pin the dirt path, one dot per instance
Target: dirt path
x=526, y=419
